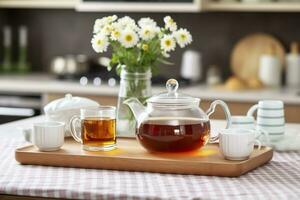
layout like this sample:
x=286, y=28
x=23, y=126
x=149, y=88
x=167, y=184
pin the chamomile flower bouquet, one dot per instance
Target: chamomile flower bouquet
x=138, y=48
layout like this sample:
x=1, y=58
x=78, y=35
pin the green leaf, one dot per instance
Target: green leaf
x=118, y=69
x=165, y=62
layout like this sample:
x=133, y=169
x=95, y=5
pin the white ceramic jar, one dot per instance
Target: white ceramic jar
x=293, y=66
x=270, y=118
x=270, y=70
x=62, y=110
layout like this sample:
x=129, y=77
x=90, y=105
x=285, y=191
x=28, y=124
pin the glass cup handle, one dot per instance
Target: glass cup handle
x=73, y=122
x=225, y=108
x=252, y=110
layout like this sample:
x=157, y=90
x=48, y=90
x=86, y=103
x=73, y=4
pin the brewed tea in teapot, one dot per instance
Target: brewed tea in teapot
x=174, y=134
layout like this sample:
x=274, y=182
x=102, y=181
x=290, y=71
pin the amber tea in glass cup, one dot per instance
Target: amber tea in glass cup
x=95, y=128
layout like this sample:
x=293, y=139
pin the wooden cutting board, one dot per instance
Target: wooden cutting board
x=246, y=54
x=131, y=156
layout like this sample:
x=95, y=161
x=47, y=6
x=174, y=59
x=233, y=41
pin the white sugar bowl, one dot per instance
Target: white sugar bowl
x=63, y=109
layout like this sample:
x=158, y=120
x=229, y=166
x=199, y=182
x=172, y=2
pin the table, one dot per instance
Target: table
x=279, y=179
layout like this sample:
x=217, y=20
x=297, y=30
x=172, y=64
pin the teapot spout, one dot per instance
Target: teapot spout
x=136, y=107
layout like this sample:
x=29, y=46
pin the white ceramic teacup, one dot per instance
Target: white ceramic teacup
x=248, y=122
x=237, y=144
x=270, y=118
x=46, y=136
x=242, y=121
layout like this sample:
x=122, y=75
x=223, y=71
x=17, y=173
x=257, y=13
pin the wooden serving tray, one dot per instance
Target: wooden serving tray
x=131, y=156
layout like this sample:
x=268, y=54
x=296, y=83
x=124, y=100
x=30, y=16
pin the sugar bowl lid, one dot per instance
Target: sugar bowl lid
x=172, y=97
x=67, y=103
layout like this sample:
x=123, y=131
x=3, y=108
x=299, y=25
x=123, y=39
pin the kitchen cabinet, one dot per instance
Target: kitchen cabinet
x=109, y=5
x=140, y=5
x=237, y=108
x=38, y=4
x=154, y=5
x=219, y=6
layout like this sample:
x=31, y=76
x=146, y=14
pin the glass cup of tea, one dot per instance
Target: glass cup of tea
x=95, y=128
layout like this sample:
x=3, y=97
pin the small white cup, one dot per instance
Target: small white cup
x=237, y=144
x=46, y=136
x=242, y=121
x=248, y=122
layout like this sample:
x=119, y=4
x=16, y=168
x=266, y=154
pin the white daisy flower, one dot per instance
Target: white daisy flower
x=116, y=25
x=111, y=18
x=106, y=29
x=104, y=22
x=116, y=31
x=127, y=22
x=100, y=43
x=183, y=37
x=170, y=24
x=146, y=22
x=168, y=43
x=129, y=38
x=133, y=27
x=115, y=35
x=99, y=23
x=148, y=32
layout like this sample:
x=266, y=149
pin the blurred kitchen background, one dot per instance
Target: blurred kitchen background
x=242, y=51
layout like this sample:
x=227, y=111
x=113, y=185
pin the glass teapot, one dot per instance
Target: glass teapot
x=172, y=121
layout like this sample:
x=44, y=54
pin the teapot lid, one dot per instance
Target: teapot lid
x=172, y=97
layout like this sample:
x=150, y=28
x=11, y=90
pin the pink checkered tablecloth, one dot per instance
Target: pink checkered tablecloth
x=280, y=179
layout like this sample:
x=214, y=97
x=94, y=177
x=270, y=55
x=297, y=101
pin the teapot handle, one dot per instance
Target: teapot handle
x=225, y=108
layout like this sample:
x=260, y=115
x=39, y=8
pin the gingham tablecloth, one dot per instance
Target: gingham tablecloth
x=280, y=179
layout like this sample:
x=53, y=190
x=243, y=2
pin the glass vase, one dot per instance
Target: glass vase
x=132, y=84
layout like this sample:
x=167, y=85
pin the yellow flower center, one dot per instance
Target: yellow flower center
x=147, y=32
x=116, y=33
x=99, y=42
x=128, y=38
x=107, y=29
x=168, y=42
x=183, y=36
x=145, y=47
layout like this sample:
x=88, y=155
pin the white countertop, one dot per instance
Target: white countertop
x=41, y=83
